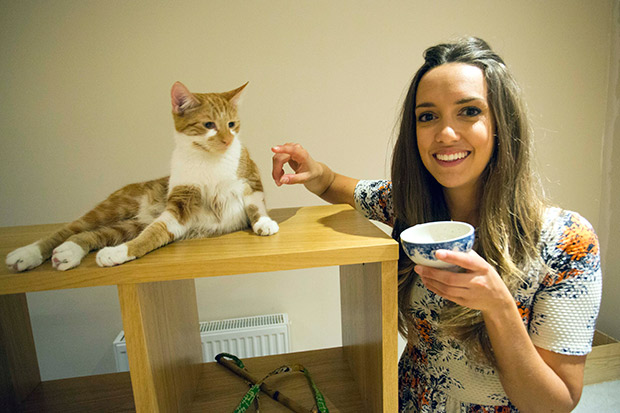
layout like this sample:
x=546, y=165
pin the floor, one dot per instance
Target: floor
x=600, y=398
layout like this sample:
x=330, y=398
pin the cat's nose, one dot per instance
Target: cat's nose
x=226, y=138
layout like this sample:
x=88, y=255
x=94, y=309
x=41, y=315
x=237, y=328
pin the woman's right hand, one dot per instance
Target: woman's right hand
x=307, y=171
x=316, y=176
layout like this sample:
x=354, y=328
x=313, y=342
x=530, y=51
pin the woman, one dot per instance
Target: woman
x=513, y=331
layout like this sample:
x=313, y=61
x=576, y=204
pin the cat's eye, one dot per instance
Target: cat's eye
x=231, y=124
x=210, y=125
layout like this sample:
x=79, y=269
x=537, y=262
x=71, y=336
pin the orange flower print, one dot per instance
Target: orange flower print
x=550, y=280
x=578, y=241
x=424, y=328
x=524, y=312
x=423, y=398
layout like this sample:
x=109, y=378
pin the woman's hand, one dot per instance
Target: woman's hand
x=479, y=287
x=307, y=170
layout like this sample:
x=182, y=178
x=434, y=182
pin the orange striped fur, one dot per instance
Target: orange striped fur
x=214, y=187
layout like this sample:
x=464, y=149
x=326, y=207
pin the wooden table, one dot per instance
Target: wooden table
x=160, y=318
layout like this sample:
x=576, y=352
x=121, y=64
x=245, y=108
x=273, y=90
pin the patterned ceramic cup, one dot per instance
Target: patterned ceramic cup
x=421, y=241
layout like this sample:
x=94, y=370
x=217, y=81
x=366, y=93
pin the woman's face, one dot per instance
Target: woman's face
x=454, y=125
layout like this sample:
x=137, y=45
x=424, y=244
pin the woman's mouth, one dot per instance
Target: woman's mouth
x=451, y=158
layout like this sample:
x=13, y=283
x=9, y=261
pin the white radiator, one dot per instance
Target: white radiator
x=246, y=337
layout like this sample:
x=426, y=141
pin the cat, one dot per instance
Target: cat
x=213, y=188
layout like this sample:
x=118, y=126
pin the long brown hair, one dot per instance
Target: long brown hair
x=511, y=201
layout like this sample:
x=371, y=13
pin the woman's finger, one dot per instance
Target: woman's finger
x=468, y=260
x=456, y=279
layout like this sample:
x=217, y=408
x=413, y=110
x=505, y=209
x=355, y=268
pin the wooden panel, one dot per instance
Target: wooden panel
x=369, y=331
x=103, y=393
x=602, y=338
x=221, y=390
x=19, y=368
x=163, y=343
x=603, y=364
x=309, y=237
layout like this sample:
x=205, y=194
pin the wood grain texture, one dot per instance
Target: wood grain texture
x=163, y=343
x=105, y=393
x=220, y=390
x=309, y=237
x=19, y=367
x=369, y=331
x=603, y=364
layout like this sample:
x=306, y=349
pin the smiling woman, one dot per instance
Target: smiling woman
x=464, y=153
x=455, y=128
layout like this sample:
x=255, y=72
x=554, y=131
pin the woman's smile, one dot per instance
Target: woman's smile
x=451, y=158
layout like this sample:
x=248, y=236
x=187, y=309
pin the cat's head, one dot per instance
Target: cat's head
x=209, y=120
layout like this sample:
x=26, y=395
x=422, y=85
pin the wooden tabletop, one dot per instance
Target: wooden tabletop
x=308, y=237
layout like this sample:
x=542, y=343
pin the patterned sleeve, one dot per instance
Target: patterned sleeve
x=568, y=299
x=374, y=200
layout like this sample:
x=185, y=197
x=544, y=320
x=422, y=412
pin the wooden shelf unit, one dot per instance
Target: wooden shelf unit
x=158, y=305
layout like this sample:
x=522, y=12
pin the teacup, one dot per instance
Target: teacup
x=421, y=241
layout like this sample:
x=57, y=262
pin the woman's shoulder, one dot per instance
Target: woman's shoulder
x=568, y=237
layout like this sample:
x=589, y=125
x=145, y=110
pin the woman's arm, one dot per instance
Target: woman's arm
x=317, y=177
x=535, y=380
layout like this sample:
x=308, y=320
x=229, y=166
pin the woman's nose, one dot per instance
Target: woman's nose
x=447, y=133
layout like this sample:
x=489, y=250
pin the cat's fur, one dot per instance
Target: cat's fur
x=213, y=188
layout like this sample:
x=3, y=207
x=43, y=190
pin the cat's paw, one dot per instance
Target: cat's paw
x=67, y=255
x=265, y=226
x=110, y=256
x=24, y=258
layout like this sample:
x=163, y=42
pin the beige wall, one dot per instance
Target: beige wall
x=85, y=108
x=609, y=222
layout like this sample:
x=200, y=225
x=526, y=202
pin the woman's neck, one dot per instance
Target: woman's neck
x=463, y=204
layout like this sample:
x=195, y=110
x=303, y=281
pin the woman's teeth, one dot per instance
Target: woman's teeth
x=451, y=157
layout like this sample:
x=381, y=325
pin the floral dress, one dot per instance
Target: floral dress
x=558, y=307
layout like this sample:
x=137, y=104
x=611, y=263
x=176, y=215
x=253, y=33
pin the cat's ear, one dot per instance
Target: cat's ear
x=234, y=96
x=182, y=98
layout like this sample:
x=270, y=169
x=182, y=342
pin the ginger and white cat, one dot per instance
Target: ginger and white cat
x=213, y=188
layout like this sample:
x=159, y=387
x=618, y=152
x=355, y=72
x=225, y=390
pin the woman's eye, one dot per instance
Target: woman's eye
x=231, y=125
x=425, y=117
x=471, y=111
x=210, y=125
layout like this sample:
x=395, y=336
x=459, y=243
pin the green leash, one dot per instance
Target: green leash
x=251, y=396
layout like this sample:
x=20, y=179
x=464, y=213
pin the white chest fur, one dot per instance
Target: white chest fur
x=215, y=174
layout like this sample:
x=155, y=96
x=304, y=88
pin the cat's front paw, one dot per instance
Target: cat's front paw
x=110, y=256
x=265, y=226
x=24, y=258
x=67, y=255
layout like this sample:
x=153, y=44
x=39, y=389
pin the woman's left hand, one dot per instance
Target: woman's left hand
x=479, y=287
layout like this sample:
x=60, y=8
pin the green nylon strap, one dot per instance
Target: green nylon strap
x=250, y=396
x=234, y=358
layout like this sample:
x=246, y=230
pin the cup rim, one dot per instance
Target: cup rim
x=434, y=223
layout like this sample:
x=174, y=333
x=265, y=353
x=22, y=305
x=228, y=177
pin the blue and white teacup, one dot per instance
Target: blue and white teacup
x=421, y=241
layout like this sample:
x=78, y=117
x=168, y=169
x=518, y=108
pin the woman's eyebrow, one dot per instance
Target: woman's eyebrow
x=468, y=99
x=425, y=105
x=458, y=102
